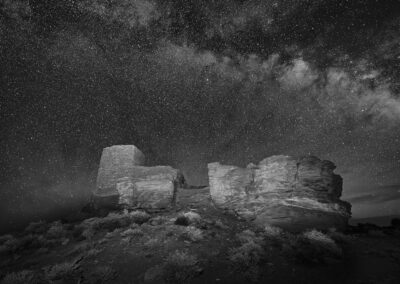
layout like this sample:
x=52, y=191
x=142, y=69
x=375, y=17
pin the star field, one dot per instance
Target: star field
x=193, y=82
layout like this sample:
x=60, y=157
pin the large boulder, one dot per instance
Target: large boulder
x=126, y=183
x=292, y=193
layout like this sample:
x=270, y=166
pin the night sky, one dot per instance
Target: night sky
x=196, y=81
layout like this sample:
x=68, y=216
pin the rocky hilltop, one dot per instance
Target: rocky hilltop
x=293, y=193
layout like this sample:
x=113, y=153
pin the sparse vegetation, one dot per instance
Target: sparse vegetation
x=193, y=234
x=56, y=231
x=65, y=270
x=112, y=222
x=273, y=232
x=139, y=217
x=132, y=233
x=249, y=255
x=152, y=242
x=338, y=236
x=158, y=220
x=39, y=227
x=315, y=246
x=22, y=277
x=180, y=267
x=246, y=255
x=13, y=244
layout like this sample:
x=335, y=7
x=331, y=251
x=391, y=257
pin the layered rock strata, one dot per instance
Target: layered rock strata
x=293, y=193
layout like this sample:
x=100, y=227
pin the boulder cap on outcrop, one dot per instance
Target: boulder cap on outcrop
x=292, y=192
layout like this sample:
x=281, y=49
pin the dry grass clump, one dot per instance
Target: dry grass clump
x=180, y=267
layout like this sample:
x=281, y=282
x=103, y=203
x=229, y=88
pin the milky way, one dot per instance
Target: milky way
x=192, y=82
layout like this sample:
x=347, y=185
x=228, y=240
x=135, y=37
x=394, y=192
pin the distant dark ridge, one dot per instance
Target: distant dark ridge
x=377, y=220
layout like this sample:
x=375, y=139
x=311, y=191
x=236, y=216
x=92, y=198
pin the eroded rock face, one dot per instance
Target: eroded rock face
x=293, y=193
x=135, y=186
x=116, y=162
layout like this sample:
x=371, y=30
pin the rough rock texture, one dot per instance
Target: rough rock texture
x=293, y=193
x=134, y=185
x=116, y=162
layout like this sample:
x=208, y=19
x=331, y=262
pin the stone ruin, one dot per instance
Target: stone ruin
x=292, y=193
x=122, y=175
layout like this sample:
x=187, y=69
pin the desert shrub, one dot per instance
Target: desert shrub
x=248, y=236
x=220, y=225
x=8, y=244
x=12, y=244
x=56, y=230
x=88, y=233
x=246, y=258
x=65, y=270
x=338, y=236
x=246, y=255
x=114, y=221
x=93, y=252
x=139, y=217
x=80, y=248
x=39, y=227
x=188, y=218
x=180, y=267
x=5, y=238
x=192, y=217
x=132, y=233
x=275, y=236
x=273, y=232
x=158, y=220
x=109, y=223
x=315, y=246
x=153, y=242
x=193, y=234
x=22, y=277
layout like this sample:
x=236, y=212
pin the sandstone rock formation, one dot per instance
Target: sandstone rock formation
x=121, y=175
x=116, y=162
x=293, y=193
